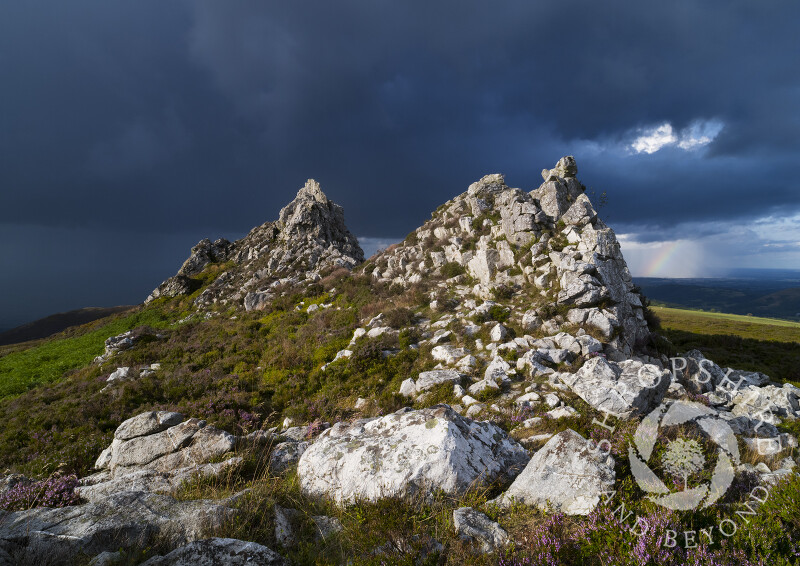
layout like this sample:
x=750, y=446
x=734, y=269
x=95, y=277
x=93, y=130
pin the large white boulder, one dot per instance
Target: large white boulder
x=564, y=476
x=405, y=453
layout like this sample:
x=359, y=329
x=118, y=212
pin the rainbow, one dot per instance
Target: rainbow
x=666, y=253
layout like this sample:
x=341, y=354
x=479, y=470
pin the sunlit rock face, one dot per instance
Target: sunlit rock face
x=309, y=235
x=550, y=238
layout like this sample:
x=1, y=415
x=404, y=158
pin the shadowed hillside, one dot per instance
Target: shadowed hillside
x=56, y=323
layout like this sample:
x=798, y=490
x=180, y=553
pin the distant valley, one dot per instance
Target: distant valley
x=758, y=292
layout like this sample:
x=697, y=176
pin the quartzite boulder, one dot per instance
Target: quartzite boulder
x=156, y=452
x=146, y=424
x=405, y=452
x=620, y=389
x=564, y=476
x=130, y=520
x=188, y=443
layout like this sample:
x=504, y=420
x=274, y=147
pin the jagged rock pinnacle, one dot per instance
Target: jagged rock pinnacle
x=566, y=168
x=309, y=235
x=312, y=189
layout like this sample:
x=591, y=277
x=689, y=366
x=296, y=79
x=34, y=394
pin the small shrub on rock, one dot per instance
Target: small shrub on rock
x=399, y=317
x=452, y=269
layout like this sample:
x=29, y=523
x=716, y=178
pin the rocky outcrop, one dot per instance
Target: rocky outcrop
x=550, y=238
x=564, y=476
x=746, y=401
x=203, y=254
x=309, y=235
x=131, y=520
x=217, y=551
x=129, y=504
x=407, y=452
x=157, y=452
x=126, y=341
x=621, y=389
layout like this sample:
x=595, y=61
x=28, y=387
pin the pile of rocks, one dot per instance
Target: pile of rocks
x=550, y=238
x=309, y=235
x=157, y=452
x=500, y=259
x=129, y=501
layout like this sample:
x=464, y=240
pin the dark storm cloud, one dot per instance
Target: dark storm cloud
x=54, y=269
x=206, y=117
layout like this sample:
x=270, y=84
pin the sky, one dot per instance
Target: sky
x=131, y=130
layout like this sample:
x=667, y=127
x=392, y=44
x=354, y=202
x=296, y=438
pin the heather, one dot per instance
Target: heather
x=55, y=491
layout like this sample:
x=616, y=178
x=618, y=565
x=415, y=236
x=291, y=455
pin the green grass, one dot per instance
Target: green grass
x=743, y=342
x=47, y=361
x=256, y=367
x=735, y=324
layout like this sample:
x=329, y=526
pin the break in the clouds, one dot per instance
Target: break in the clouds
x=174, y=120
x=698, y=134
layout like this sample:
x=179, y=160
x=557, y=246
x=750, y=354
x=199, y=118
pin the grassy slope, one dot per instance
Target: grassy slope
x=743, y=342
x=735, y=324
x=25, y=366
x=242, y=371
x=231, y=369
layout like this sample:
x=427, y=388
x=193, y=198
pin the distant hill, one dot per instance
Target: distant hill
x=771, y=298
x=785, y=300
x=54, y=323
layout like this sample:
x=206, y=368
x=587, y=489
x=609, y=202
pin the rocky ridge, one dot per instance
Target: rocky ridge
x=549, y=241
x=531, y=319
x=309, y=235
